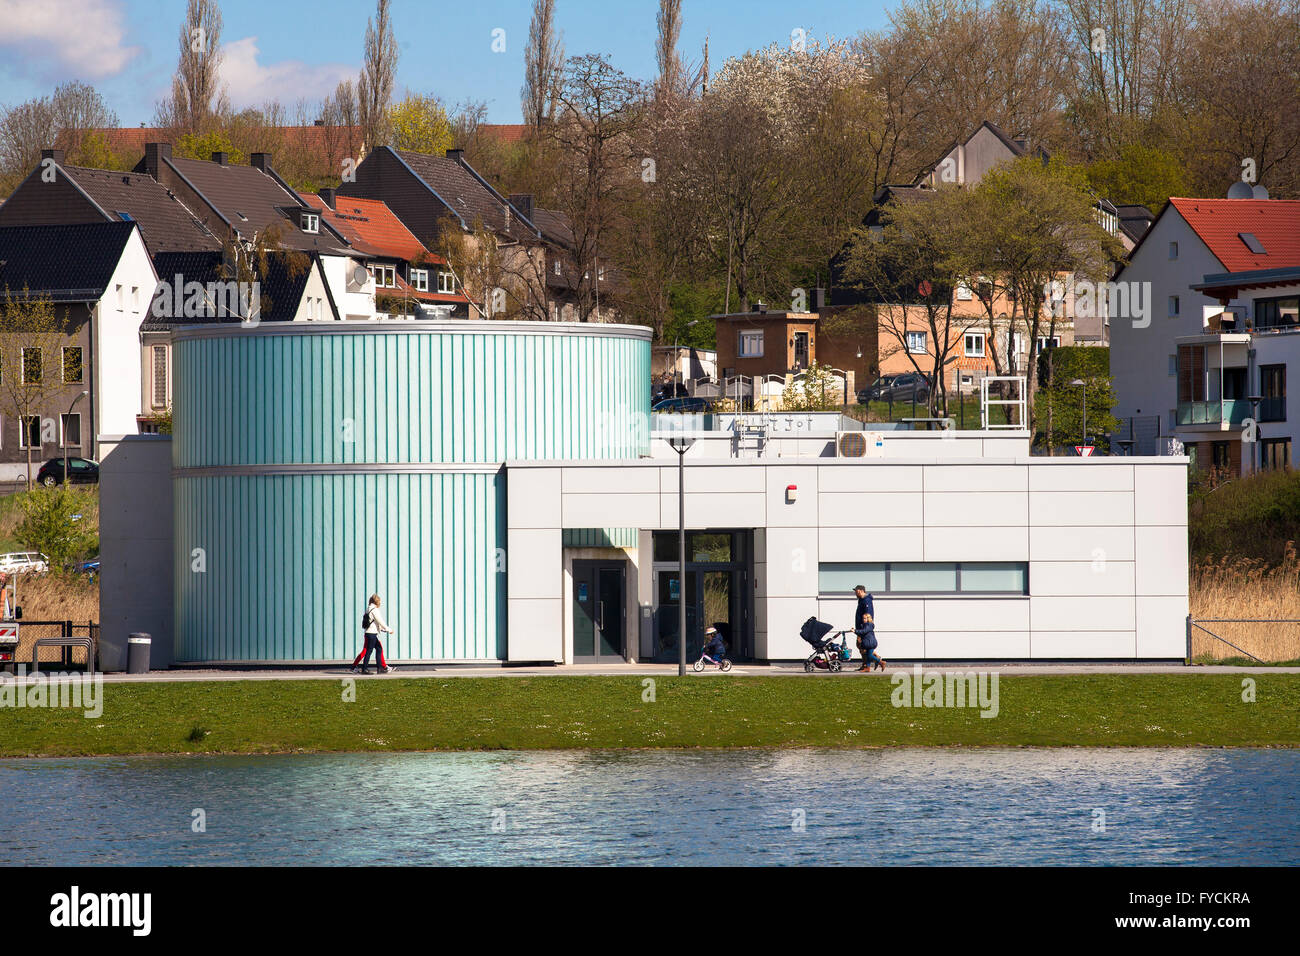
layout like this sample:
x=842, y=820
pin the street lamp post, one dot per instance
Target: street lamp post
x=681, y=444
x=83, y=394
x=1254, y=400
x=1083, y=395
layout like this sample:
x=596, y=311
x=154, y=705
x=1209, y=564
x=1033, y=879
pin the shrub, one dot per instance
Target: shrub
x=1255, y=517
x=61, y=523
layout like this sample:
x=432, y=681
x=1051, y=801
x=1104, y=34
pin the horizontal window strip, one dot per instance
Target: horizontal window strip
x=924, y=577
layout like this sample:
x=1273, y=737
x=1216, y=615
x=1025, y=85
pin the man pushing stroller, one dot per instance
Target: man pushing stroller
x=864, y=626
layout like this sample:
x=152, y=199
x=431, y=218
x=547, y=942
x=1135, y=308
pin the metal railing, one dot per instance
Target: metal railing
x=30, y=632
x=1197, y=625
x=1230, y=411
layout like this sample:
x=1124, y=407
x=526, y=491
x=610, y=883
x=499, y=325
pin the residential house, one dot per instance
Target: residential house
x=535, y=269
x=101, y=280
x=1208, y=362
x=399, y=266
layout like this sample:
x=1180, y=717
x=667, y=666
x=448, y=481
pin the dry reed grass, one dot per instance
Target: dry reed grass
x=1247, y=588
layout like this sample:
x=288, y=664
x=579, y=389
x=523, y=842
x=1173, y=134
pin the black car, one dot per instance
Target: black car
x=83, y=471
x=900, y=388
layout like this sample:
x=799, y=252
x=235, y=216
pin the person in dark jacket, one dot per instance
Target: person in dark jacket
x=716, y=649
x=864, y=626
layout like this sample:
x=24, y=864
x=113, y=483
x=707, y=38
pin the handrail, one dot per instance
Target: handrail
x=1192, y=623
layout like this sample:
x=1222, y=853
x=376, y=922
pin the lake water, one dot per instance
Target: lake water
x=913, y=807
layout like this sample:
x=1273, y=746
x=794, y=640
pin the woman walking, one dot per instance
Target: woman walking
x=372, y=622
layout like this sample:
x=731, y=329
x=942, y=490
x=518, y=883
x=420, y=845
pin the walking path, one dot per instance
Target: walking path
x=341, y=671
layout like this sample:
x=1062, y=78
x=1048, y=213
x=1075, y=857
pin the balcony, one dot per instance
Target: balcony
x=1230, y=411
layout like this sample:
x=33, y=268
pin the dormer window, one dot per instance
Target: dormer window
x=310, y=222
x=420, y=279
x=385, y=276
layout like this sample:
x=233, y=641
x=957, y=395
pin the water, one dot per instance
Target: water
x=660, y=807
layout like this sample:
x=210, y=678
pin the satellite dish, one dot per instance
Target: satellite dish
x=360, y=275
x=1260, y=192
x=1241, y=190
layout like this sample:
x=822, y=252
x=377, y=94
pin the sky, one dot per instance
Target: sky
x=292, y=49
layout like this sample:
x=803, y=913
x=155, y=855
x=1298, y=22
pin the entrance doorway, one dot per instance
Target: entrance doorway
x=599, y=612
x=717, y=593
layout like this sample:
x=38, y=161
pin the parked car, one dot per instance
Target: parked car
x=902, y=388
x=83, y=472
x=16, y=562
x=685, y=404
x=873, y=391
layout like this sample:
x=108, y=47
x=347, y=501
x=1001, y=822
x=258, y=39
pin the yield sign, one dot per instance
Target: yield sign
x=1083, y=451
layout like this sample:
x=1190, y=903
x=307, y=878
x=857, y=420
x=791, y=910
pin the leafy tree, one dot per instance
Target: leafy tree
x=203, y=145
x=816, y=390
x=421, y=125
x=1145, y=175
x=1060, y=404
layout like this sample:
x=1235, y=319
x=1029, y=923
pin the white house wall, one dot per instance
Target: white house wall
x=117, y=341
x=1105, y=541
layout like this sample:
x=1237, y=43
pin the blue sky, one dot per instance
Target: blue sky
x=287, y=49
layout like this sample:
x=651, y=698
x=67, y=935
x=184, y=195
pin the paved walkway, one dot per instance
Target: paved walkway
x=663, y=670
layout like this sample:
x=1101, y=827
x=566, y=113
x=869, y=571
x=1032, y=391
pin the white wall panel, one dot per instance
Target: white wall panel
x=976, y=509
x=977, y=544
x=870, y=509
x=1162, y=627
x=1102, y=645
x=1083, y=476
x=534, y=558
x=871, y=544
x=536, y=630
x=976, y=478
x=1055, y=508
x=866, y=475
x=973, y=645
x=1082, y=613
x=1160, y=494
x=804, y=510
x=1080, y=578
x=976, y=614
x=533, y=497
x=1161, y=560
x=1080, y=543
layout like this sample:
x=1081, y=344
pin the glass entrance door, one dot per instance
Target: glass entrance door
x=599, y=612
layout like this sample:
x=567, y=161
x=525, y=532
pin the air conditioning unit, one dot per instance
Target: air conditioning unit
x=859, y=444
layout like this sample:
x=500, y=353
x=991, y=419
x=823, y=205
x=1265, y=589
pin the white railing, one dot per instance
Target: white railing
x=1014, y=383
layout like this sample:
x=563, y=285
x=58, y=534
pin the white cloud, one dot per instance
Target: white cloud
x=250, y=83
x=85, y=38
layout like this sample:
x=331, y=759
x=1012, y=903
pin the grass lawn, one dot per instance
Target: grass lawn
x=609, y=712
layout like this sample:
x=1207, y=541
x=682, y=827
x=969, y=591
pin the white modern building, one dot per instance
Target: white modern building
x=1207, y=365
x=511, y=513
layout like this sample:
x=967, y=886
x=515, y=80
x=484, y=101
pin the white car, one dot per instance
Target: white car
x=20, y=561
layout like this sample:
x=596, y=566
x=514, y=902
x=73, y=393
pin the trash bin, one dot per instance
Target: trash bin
x=137, y=653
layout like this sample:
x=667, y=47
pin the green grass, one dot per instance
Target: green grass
x=564, y=712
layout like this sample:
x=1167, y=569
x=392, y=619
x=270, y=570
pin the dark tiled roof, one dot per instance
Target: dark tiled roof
x=281, y=292
x=165, y=224
x=64, y=263
x=554, y=225
x=251, y=201
x=468, y=196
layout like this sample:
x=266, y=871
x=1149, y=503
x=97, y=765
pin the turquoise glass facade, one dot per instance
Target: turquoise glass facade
x=314, y=465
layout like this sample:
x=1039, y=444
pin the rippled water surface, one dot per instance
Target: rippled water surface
x=661, y=807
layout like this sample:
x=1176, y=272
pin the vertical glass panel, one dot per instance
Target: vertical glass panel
x=933, y=577
x=1005, y=576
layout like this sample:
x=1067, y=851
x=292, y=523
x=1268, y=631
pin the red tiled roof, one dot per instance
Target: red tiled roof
x=371, y=228
x=505, y=132
x=1220, y=222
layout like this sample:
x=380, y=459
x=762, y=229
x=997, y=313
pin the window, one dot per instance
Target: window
x=1275, y=453
x=160, y=376
x=420, y=279
x=751, y=344
x=121, y=304
x=31, y=366
x=559, y=269
x=1173, y=306
x=1272, y=385
x=72, y=365
x=29, y=436
x=600, y=274
x=974, y=344
x=71, y=429
x=1277, y=313
x=385, y=276
x=310, y=222
x=135, y=298
x=446, y=283
x=1173, y=364
x=1173, y=250
x=1252, y=243
x=935, y=577
x=916, y=343
x=1046, y=342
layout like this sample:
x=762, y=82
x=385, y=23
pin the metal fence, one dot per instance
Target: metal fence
x=67, y=657
x=1265, y=640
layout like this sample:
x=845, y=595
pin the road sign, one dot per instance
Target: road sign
x=1083, y=451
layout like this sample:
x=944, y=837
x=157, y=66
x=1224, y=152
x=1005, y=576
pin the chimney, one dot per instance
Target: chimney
x=456, y=155
x=54, y=154
x=524, y=203
x=818, y=300
x=327, y=196
x=154, y=154
x=260, y=161
x=221, y=159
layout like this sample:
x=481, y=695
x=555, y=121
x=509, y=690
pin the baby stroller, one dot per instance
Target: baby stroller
x=827, y=655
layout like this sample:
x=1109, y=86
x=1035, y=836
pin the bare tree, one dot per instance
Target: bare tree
x=31, y=333
x=543, y=66
x=375, y=88
x=196, y=96
x=671, y=73
x=71, y=119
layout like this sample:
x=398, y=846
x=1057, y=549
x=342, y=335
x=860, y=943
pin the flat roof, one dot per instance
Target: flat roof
x=404, y=327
